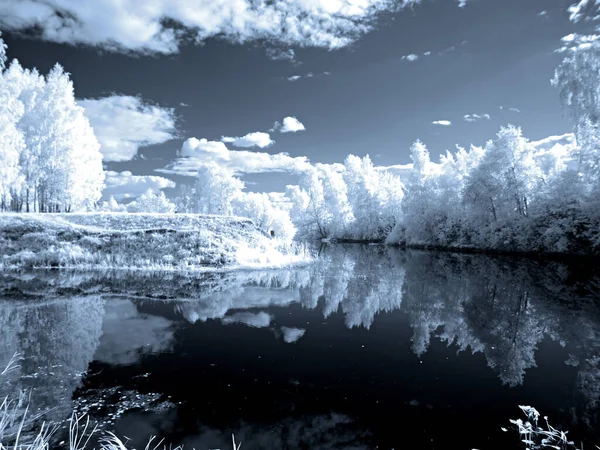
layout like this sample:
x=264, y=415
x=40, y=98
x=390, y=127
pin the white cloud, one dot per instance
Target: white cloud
x=427, y=53
x=445, y=123
x=474, y=117
x=256, y=139
x=411, y=57
x=126, y=185
x=583, y=8
x=462, y=3
x=281, y=55
x=196, y=153
x=294, y=77
x=290, y=125
x=147, y=26
x=122, y=124
x=514, y=109
x=575, y=42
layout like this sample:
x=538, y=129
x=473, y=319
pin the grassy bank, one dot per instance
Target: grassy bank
x=140, y=241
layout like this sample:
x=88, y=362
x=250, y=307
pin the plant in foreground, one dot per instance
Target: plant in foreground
x=536, y=436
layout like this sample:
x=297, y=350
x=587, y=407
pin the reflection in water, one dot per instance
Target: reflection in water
x=497, y=307
x=291, y=335
x=128, y=334
x=57, y=341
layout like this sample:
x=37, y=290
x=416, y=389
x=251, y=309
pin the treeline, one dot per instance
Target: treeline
x=509, y=195
x=50, y=160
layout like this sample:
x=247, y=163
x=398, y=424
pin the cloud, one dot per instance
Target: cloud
x=256, y=139
x=583, y=8
x=122, y=185
x=475, y=117
x=445, y=123
x=277, y=54
x=161, y=26
x=289, y=125
x=122, y=124
x=427, y=53
x=462, y=3
x=308, y=75
x=196, y=153
x=411, y=57
x=575, y=42
x=514, y=109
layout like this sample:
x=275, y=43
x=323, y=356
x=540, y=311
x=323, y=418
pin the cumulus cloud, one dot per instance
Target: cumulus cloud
x=583, y=8
x=462, y=3
x=428, y=53
x=475, y=117
x=256, y=139
x=122, y=124
x=294, y=78
x=277, y=54
x=445, y=123
x=575, y=42
x=411, y=57
x=514, y=109
x=122, y=185
x=196, y=153
x=289, y=125
x=161, y=26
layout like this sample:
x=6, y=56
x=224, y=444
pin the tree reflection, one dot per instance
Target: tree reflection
x=499, y=307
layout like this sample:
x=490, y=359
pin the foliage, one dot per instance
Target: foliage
x=50, y=160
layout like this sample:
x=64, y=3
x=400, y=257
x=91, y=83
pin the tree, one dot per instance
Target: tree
x=152, y=202
x=215, y=190
x=578, y=81
x=12, y=141
x=374, y=196
x=50, y=158
x=260, y=208
x=501, y=186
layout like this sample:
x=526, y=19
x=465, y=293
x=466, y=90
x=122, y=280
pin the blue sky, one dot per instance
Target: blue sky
x=217, y=72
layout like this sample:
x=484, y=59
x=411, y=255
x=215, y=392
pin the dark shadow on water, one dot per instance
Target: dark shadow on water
x=369, y=346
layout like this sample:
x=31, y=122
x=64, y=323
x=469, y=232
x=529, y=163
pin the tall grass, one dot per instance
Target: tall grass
x=15, y=419
x=537, y=436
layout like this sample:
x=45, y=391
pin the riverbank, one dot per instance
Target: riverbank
x=140, y=241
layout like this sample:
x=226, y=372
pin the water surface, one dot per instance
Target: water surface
x=367, y=348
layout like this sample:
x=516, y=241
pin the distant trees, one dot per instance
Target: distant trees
x=577, y=79
x=151, y=202
x=218, y=191
x=50, y=160
x=351, y=201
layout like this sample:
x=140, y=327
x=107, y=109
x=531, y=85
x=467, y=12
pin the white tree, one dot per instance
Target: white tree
x=50, y=158
x=501, y=186
x=152, y=202
x=215, y=190
x=374, y=197
x=578, y=81
x=259, y=208
x=11, y=138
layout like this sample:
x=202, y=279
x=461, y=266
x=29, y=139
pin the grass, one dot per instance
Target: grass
x=537, y=436
x=15, y=418
x=160, y=242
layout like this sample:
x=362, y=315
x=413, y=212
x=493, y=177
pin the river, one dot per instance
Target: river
x=369, y=347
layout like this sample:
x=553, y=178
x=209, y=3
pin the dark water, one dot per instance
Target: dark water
x=366, y=348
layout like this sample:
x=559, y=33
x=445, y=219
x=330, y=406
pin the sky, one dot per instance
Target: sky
x=266, y=89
